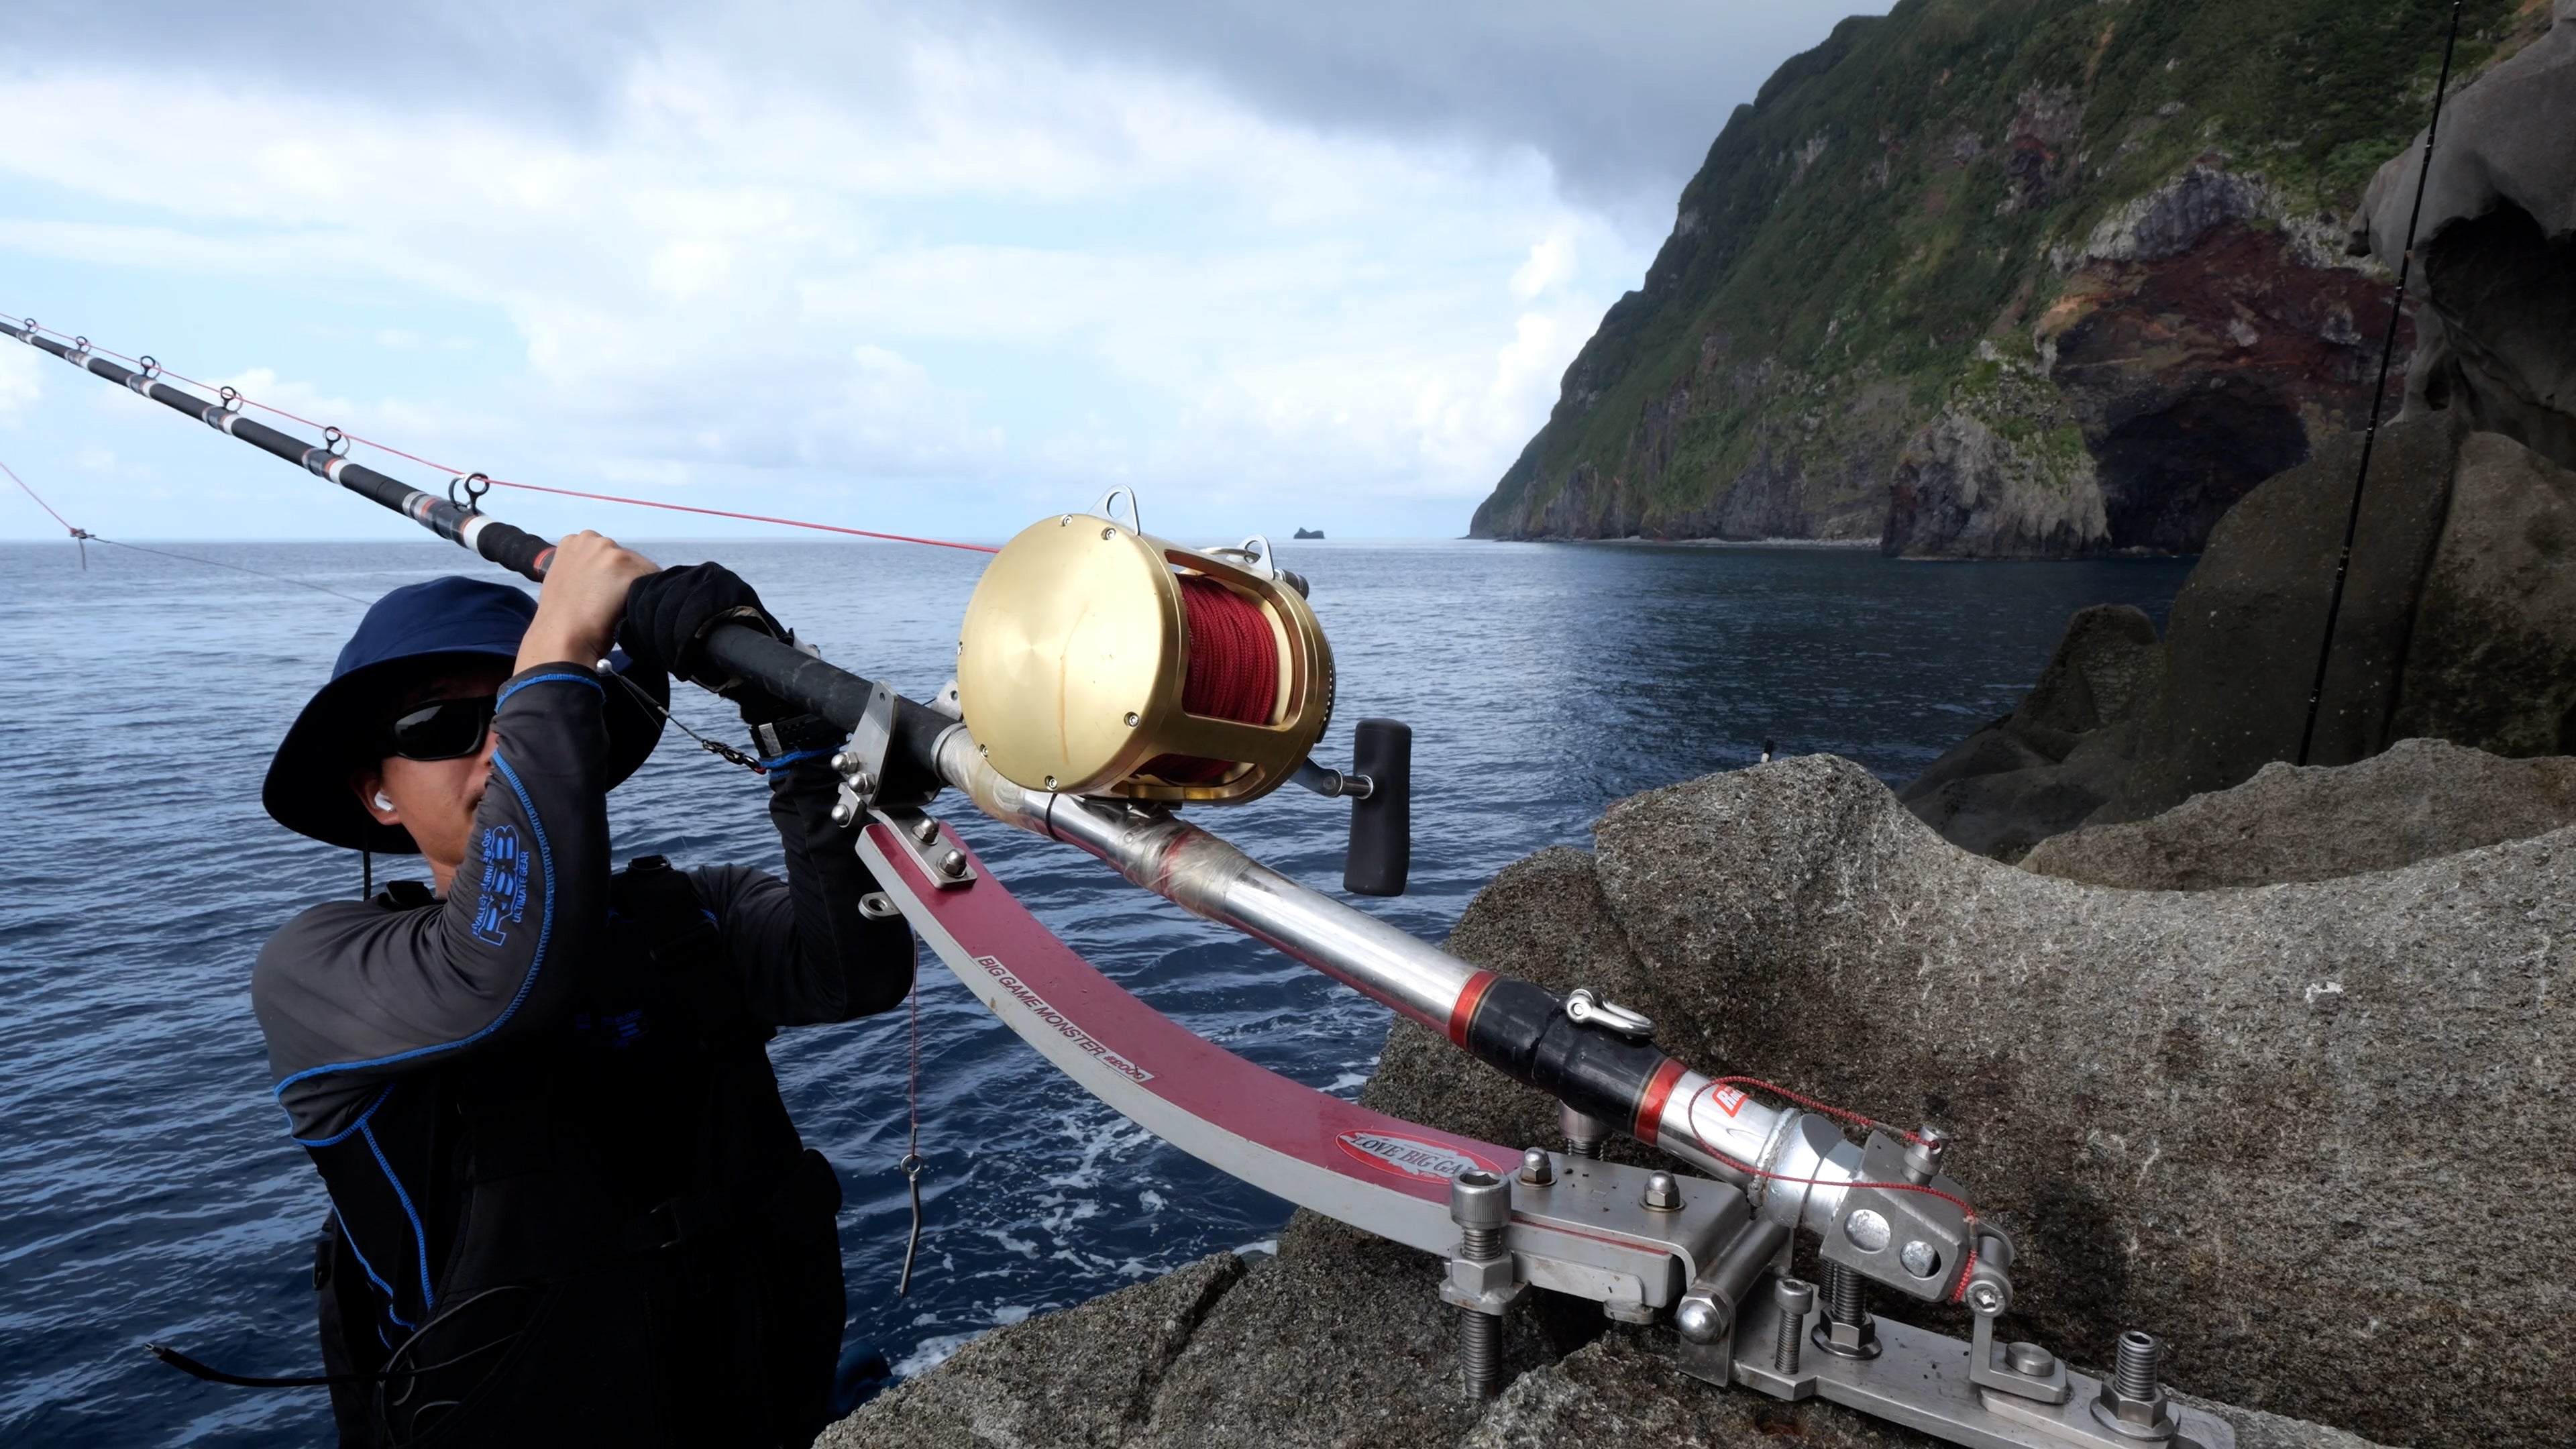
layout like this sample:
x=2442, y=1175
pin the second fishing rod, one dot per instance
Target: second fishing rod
x=1107, y=677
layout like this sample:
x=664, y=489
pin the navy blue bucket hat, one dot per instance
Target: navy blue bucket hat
x=412, y=631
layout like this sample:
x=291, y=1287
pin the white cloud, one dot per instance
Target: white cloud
x=21, y=381
x=981, y=263
x=1550, y=264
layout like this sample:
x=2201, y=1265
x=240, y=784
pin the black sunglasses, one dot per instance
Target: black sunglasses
x=445, y=729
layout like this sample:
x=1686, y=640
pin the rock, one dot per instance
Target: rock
x=2458, y=620
x=1086, y=1375
x=1341, y=1340
x=2497, y=238
x=2292, y=1129
x=2492, y=658
x=2052, y=762
x=2420, y=800
x=2241, y=642
x=1963, y=490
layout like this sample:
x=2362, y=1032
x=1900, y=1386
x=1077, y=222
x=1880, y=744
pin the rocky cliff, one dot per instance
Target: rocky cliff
x=2004, y=279
x=2456, y=619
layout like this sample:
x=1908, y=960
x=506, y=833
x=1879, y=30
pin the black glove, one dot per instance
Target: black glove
x=669, y=614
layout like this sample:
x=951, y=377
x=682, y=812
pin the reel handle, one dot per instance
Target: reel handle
x=1381, y=848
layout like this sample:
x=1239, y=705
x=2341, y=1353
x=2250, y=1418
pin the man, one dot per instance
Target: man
x=567, y=1205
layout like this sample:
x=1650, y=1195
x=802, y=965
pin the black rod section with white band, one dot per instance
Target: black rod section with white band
x=514, y=549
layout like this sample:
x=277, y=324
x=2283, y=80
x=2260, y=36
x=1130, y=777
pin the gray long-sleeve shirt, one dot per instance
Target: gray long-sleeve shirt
x=352, y=994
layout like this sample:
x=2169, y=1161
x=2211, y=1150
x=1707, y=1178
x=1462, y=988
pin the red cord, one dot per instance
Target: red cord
x=435, y=466
x=1233, y=674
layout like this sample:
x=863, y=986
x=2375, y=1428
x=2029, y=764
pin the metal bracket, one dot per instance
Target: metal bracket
x=1109, y=500
x=1586, y=1232
x=1923, y=1380
x=2024, y=1370
x=941, y=856
x=1253, y=555
x=1913, y=1241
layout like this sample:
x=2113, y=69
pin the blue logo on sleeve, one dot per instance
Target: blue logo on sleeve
x=505, y=885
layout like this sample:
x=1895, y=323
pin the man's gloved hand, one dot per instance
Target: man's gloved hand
x=668, y=616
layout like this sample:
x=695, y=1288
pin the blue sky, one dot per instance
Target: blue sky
x=930, y=269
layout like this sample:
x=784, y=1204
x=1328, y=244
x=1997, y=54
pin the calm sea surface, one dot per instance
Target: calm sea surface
x=148, y=1189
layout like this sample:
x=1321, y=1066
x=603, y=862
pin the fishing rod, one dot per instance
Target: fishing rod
x=1173, y=676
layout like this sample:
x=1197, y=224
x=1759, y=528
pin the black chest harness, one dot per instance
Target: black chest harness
x=606, y=1231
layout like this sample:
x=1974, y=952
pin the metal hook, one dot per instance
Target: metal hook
x=335, y=442
x=912, y=1165
x=1135, y=518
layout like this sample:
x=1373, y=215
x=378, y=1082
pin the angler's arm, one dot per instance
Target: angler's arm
x=801, y=948
x=351, y=994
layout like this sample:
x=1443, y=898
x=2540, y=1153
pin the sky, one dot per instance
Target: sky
x=927, y=269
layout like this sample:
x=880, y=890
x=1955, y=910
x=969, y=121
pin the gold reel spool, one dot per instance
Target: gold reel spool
x=1076, y=651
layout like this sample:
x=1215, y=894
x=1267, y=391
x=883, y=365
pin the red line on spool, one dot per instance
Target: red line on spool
x=1234, y=672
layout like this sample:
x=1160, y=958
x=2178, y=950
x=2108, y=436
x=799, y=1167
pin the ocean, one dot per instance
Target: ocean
x=147, y=1187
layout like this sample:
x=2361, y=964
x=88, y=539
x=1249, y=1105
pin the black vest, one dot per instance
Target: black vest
x=605, y=1232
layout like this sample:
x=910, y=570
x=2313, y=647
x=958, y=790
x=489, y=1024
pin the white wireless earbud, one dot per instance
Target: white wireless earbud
x=382, y=803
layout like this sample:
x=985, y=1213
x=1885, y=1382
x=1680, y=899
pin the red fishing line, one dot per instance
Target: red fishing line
x=1233, y=673
x=156, y=369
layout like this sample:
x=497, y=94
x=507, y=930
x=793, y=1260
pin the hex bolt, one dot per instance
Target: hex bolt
x=2132, y=1401
x=2135, y=1373
x=1846, y=1330
x=1480, y=1203
x=842, y=813
x=1796, y=1298
x=1663, y=1193
x=1480, y=1343
x=953, y=864
x=925, y=830
x=1843, y=1290
x=1583, y=1135
x=1536, y=1168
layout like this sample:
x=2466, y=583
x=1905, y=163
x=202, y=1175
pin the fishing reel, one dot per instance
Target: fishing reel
x=1099, y=660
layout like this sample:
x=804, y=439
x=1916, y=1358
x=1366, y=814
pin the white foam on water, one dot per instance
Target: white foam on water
x=932, y=1352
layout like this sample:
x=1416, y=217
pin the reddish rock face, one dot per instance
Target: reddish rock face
x=2198, y=373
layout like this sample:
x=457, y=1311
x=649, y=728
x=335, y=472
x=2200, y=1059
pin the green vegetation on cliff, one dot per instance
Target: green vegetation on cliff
x=1903, y=202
